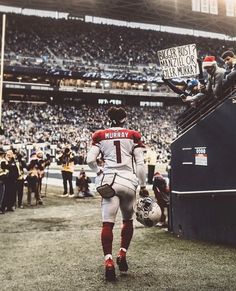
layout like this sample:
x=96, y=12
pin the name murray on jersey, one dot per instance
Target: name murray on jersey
x=117, y=134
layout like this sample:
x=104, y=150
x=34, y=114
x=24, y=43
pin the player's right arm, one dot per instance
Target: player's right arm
x=92, y=158
x=94, y=153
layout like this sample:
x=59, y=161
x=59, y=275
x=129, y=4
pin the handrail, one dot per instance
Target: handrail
x=192, y=115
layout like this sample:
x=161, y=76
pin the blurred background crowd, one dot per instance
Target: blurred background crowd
x=76, y=46
x=65, y=124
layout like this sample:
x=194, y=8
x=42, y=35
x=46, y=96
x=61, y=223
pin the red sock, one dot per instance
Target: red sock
x=107, y=237
x=126, y=233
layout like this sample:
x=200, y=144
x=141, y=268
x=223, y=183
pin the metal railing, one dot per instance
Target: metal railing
x=193, y=114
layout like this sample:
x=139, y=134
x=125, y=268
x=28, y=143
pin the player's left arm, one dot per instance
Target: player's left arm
x=140, y=165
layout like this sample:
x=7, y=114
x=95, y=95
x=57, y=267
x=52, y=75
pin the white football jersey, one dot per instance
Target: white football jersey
x=116, y=145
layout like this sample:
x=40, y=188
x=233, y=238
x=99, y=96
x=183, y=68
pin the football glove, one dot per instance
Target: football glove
x=183, y=97
x=143, y=192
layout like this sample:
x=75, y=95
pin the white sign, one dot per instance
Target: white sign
x=201, y=159
x=196, y=5
x=201, y=156
x=229, y=6
x=214, y=7
x=205, y=6
x=179, y=61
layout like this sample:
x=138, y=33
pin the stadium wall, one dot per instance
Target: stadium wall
x=203, y=185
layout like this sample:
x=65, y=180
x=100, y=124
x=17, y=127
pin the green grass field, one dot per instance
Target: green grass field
x=57, y=247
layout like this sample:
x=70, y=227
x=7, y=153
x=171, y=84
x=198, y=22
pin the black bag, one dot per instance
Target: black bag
x=106, y=190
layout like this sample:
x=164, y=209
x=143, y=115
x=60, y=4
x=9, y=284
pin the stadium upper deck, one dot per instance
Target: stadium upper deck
x=73, y=49
x=174, y=13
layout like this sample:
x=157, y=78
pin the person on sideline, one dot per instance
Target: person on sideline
x=124, y=168
x=3, y=174
x=82, y=183
x=67, y=162
x=10, y=182
x=162, y=195
x=151, y=160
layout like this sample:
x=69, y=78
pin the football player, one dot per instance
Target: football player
x=124, y=169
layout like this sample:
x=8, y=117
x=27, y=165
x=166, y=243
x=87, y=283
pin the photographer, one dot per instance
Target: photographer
x=33, y=179
x=67, y=160
x=3, y=174
x=21, y=165
x=42, y=164
x=10, y=181
x=82, y=182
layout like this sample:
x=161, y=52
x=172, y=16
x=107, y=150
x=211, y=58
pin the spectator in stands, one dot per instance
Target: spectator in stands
x=214, y=86
x=188, y=90
x=230, y=61
x=178, y=86
x=195, y=93
x=230, y=75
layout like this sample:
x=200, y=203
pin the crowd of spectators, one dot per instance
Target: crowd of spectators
x=75, y=44
x=26, y=123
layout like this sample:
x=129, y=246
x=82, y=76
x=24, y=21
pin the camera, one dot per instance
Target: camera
x=49, y=157
x=1, y=130
x=34, y=164
x=20, y=155
x=66, y=151
x=3, y=165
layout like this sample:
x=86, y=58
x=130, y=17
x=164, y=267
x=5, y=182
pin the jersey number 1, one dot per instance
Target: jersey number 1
x=118, y=151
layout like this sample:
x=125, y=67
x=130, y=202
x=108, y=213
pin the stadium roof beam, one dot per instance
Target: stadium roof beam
x=174, y=13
